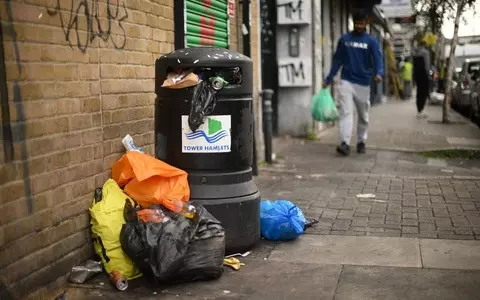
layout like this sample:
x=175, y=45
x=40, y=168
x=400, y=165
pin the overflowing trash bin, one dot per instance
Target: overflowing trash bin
x=173, y=218
x=204, y=126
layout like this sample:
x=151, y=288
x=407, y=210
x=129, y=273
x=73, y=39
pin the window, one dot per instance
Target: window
x=206, y=23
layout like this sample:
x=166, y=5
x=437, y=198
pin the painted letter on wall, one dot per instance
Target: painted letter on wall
x=294, y=12
x=294, y=72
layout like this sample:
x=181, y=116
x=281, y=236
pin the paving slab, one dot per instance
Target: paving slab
x=352, y=250
x=451, y=254
x=394, y=126
x=325, y=188
x=385, y=283
x=259, y=279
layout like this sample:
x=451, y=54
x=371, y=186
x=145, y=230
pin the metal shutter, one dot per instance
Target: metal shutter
x=206, y=23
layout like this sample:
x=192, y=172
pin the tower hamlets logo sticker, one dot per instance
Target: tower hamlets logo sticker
x=213, y=136
x=215, y=132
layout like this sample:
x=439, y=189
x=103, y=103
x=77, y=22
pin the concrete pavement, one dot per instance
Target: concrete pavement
x=415, y=196
x=417, y=238
x=328, y=267
x=394, y=126
x=426, y=203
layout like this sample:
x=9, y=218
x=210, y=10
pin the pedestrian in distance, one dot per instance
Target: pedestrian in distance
x=421, y=73
x=359, y=56
x=407, y=76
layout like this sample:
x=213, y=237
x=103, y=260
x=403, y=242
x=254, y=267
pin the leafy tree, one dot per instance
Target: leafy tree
x=436, y=11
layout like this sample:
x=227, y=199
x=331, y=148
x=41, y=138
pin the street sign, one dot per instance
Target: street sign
x=397, y=8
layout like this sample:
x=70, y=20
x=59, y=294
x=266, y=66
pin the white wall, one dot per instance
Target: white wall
x=294, y=98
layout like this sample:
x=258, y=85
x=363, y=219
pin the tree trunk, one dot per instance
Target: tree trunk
x=434, y=29
x=451, y=65
x=440, y=45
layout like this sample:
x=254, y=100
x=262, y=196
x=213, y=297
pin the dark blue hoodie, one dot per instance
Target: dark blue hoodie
x=360, y=55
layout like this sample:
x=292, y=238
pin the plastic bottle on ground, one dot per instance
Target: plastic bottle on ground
x=183, y=208
x=130, y=145
x=152, y=215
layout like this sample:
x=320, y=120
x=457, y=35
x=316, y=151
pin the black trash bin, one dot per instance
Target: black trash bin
x=217, y=156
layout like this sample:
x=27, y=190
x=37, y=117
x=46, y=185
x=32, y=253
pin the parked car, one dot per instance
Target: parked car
x=461, y=94
x=474, y=111
x=456, y=73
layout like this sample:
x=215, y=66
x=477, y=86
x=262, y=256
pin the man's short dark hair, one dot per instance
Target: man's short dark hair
x=359, y=15
x=423, y=43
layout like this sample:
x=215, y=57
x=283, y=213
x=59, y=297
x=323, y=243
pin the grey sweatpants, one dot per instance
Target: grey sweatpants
x=350, y=94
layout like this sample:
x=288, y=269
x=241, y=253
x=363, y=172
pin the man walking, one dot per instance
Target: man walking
x=359, y=55
x=407, y=73
x=421, y=71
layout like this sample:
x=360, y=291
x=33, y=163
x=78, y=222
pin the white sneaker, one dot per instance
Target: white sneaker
x=422, y=115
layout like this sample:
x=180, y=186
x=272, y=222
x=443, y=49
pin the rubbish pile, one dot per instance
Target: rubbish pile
x=142, y=220
x=143, y=224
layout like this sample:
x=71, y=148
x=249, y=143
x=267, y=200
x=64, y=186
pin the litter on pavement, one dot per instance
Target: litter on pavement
x=85, y=271
x=151, y=181
x=437, y=98
x=366, y=196
x=143, y=224
x=233, y=263
x=130, y=145
x=107, y=220
x=148, y=200
x=175, y=248
x=281, y=220
x=239, y=254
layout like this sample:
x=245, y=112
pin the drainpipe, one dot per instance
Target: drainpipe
x=267, y=111
x=247, y=52
x=6, y=125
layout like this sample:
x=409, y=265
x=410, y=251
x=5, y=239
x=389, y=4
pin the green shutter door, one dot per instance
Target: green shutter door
x=206, y=23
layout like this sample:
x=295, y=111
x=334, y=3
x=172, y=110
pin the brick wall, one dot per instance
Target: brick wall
x=79, y=78
x=77, y=83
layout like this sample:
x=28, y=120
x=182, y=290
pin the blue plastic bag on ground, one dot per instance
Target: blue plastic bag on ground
x=281, y=220
x=323, y=107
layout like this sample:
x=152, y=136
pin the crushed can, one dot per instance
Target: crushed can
x=118, y=280
x=218, y=82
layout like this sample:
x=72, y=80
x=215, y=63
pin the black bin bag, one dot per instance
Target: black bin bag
x=176, y=249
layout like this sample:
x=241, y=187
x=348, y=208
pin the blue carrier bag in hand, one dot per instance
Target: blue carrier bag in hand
x=281, y=220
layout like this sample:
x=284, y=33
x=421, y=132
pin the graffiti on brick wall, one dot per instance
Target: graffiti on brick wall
x=18, y=128
x=292, y=73
x=86, y=14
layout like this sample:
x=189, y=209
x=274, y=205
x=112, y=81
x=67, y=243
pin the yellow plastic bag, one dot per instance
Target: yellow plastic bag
x=107, y=220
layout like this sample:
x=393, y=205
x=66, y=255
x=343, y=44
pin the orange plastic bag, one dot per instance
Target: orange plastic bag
x=149, y=180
